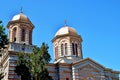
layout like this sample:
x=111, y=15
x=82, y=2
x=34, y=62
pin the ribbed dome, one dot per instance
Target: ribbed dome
x=20, y=17
x=66, y=30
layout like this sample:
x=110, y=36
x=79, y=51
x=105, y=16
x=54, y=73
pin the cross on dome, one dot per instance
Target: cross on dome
x=21, y=10
x=65, y=23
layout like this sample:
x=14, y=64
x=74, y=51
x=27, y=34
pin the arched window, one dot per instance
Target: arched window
x=76, y=50
x=14, y=34
x=73, y=49
x=62, y=49
x=23, y=35
x=67, y=78
x=66, y=49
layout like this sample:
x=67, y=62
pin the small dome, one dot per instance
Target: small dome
x=20, y=17
x=66, y=30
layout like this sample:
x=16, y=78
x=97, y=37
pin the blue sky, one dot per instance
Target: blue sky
x=97, y=21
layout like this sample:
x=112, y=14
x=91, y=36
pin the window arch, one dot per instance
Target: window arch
x=66, y=49
x=62, y=49
x=14, y=34
x=76, y=49
x=67, y=78
x=23, y=35
x=73, y=49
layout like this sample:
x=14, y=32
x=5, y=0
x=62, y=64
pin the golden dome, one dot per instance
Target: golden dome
x=66, y=30
x=20, y=17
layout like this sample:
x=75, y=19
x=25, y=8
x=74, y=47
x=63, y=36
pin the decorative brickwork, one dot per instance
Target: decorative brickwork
x=67, y=44
x=20, y=38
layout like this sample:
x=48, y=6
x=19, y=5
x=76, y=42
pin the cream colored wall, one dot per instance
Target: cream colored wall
x=81, y=70
x=19, y=27
x=69, y=40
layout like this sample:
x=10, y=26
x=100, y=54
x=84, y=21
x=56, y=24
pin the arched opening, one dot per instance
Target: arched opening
x=62, y=49
x=73, y=49
x=76, y=49
x=14, y=34
x=23, y=35
x=66, y=49
x=67, y=78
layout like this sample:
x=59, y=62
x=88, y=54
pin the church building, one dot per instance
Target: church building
x=69, y=63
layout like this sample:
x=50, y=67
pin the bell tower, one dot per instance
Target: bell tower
x=20, y=29
x=67, y=45
x=20, y=33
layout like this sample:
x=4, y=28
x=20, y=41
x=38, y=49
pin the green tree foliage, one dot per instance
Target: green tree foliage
x=22, y=69
x=35, y=63
x=39, y=59
x=3, y=36
x=44, y=75
x=3, y=42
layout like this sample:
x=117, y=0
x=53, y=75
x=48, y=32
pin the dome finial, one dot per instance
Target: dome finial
x=65, y=22
x=21, y=10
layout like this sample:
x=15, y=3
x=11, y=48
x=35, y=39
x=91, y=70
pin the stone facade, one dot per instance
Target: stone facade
x=20, y=40
x=85, y=69
x=69, y=63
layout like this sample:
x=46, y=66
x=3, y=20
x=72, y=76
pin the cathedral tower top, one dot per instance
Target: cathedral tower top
x=67, y=45
x=20, y=29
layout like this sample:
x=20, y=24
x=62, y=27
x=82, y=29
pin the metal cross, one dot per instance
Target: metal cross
x=21, y=10
x=65, y=22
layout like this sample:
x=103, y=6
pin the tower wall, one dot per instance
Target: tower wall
x=20, y=40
